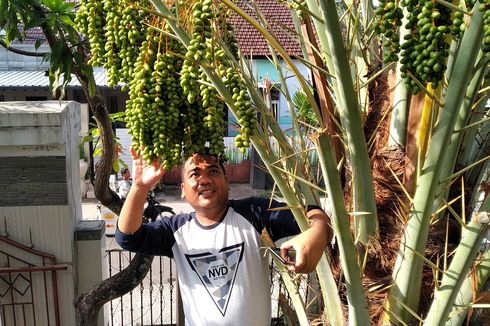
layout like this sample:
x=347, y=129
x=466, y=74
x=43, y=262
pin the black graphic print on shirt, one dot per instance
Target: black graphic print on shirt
x=217, y=272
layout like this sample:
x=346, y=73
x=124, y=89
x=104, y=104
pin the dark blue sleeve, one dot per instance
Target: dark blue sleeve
x=156, y=238
x=273, y=215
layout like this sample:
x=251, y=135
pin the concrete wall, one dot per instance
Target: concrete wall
x=11, y=60
x=40, y=159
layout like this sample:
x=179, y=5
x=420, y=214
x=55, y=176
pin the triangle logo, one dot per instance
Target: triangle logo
x=217, y=272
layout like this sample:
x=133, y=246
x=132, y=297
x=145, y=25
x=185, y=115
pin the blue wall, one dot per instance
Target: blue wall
x=263, y=69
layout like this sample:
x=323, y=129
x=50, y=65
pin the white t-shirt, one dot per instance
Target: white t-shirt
x=223, y=274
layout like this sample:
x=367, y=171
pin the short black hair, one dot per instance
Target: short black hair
x=124, y=170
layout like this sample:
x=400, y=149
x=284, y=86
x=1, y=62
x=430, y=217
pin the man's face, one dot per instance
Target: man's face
x=204, y=184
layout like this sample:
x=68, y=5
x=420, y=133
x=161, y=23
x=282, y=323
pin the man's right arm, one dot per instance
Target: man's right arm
x=131, y=216
x=145, y=175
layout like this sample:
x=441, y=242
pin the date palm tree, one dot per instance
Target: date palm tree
x=430, y=267
x=403, y=153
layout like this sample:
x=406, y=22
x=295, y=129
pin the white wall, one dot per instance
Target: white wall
x=14, y=61
x=46, y=129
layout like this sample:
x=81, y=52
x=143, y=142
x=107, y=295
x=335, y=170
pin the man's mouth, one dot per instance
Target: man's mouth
x=206, y=192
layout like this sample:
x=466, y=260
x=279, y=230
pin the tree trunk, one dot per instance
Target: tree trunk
x=87, y=305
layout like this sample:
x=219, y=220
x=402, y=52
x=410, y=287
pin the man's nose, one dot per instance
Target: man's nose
x=205, y=178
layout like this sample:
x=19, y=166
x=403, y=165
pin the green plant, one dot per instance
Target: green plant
x=285, y=159
x=234, y=155
x=304, y=111
x=357, y=81
x=93, y=136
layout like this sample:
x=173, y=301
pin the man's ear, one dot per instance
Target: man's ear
x=182, y=193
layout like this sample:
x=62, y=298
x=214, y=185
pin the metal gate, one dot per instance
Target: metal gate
x=28, y=285
x=154, y=301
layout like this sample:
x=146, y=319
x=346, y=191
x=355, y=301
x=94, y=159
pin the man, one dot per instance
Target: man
x=223, y=275
x=125, y=183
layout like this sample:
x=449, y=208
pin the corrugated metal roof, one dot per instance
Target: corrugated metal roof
x=18, y=78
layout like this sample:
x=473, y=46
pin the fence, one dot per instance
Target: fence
x=153, y=302
x=28, y=285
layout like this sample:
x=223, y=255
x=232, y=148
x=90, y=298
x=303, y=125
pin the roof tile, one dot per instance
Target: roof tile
x=280, y=24
x=251, y=42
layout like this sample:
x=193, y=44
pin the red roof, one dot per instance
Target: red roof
x=32, y=35
x=250, y=41
x=280, y=24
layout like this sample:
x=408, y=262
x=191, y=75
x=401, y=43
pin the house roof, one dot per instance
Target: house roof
x=281, y=26
x=16, y=78
x=32, y=35
x=250, y=41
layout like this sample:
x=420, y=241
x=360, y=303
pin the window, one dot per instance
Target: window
x=272, y=98
x=275, y=97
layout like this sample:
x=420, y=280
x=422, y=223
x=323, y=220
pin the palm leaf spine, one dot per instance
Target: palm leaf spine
x=470, y=147
x=482, y=177
x=275, y=44
x=464, y=255
x=322, y=37
x=350, y=116
x=466, y=294
x=333, y=306
x=297, y=302
x=407, y=273
x=310, y=196
x=358, y=312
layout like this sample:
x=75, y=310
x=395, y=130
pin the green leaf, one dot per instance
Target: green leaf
x=87, y=138
x=58, y=6
x=53, y=81
x=67, y=20
x=95, y=132
x=38, y=43
x=97, y=151
x=34, y=22
x=46, y=57
x=115, y=166
x=3, y=10
x=117, y=117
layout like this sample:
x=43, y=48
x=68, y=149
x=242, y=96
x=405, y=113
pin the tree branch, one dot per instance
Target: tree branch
x=22, y=52
x=87, y=305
